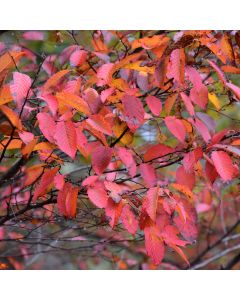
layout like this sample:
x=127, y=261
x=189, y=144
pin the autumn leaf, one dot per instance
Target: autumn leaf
x=101, y=158
x=47, y=126
x=154, y=245
x=152, y=202
x=176, y=127
x=20, y=88
x=74, y=101
x=154, y=105
x=224, y=165
x=133, y=112
x=66, y=137
x=98, y=196
x=45, y=184
x=129, y=220
x=148, y=174
x=157, y=151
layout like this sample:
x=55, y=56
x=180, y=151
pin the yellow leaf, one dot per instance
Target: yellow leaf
x=118, y=129
x=214, y=100
x=137, y=66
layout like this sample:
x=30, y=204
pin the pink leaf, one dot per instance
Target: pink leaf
x=185, y=178
x=20, y=88
x=78, y=57
x=219, y=72
x=47, y=126
x=104, y=74
x=128, y=160
x=148, y=174
x=176, y=127
x=191, y=158
x=176, y=66
x=199, y=92
x=33, y=35
x=154, y=105
x=93, y=100
x=202, y=129
x=98, y=196
x=101, y=158
x=129, y=220
x=66, y=138
x=224, y=165
x=154, y=245
x=152, y=202
x=26, y=136
x=187, y=102
x=133, y=111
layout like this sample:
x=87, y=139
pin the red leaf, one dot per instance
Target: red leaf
x=148, y=174
x=176, y=66
x=211, y=172
x=176, y=127
x=93, y=100
x=59, y=181
x=20, y=87
x=185, y=178
x=154, y=105
x=98, y=196
x=202, y=129
x=113, y=210
x=47, y=126
x=129, y=220
x=67, y=200
x=104, y=73
x=66, y=137
x=51, y=101
x=71, y=202
x=61, y=198
x=90, y=180
x=45, y=183
x=188, y=104
x=133, y=111
x=219, y=72
x=224, y=165
x=151, y=202
x=101, y=158
x=191, y=158
x=157, y=151
x=199, y=92
x=180, y=252
x=154, y=245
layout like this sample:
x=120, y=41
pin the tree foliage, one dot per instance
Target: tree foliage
x=120, y=146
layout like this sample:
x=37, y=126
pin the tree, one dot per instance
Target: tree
x=119, y=149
